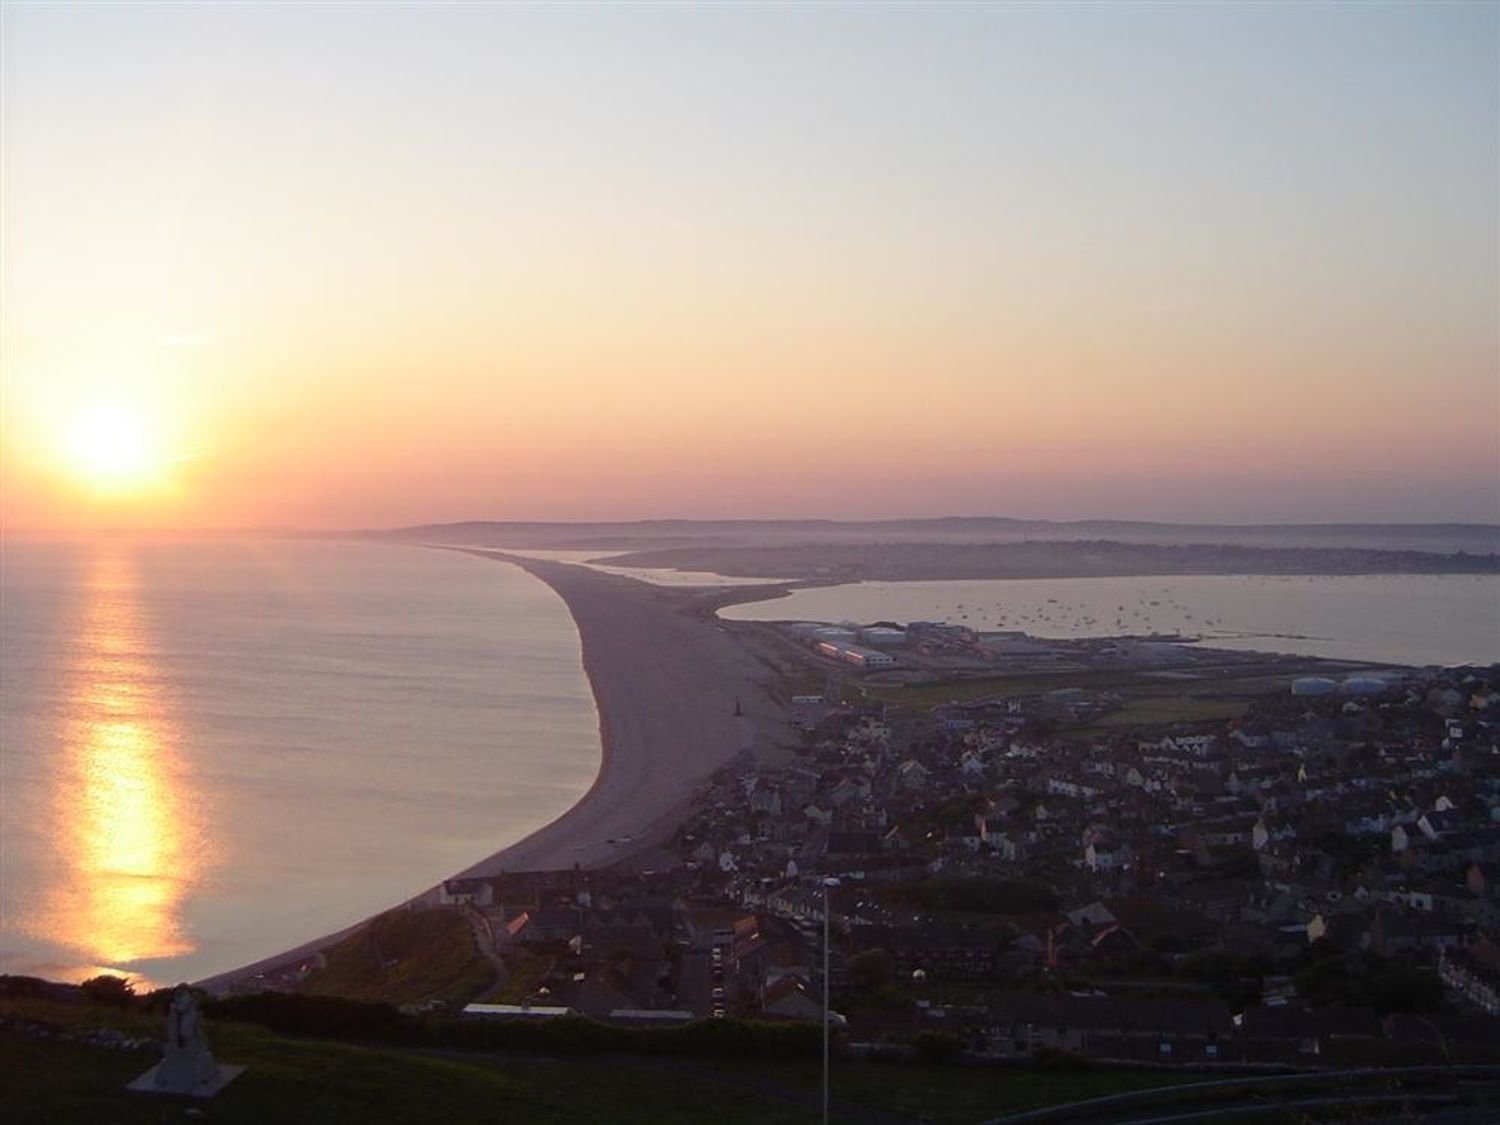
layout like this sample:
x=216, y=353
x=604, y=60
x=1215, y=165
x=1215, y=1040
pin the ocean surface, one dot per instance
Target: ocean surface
x=212, y=751
x=1395, y=619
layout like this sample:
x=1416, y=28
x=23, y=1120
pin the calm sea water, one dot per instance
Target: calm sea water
x=212, y=751
x=1398, y=619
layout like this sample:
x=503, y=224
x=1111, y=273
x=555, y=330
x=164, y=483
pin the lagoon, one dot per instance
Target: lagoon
x=1395, y=619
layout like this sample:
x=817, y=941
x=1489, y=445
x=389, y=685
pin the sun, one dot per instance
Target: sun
x=110, y=445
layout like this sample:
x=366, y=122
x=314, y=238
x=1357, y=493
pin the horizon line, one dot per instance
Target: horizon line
x=275, y=530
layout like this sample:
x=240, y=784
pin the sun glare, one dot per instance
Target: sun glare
x=109, y=445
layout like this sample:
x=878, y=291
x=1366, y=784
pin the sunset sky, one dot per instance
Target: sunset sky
x=344, y=265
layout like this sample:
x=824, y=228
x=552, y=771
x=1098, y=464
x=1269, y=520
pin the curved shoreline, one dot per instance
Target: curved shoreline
x=667, y=678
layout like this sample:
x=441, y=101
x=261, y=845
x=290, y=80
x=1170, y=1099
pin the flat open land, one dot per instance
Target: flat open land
x=1237, y=680
x=1147, y=698
x=291, y=1080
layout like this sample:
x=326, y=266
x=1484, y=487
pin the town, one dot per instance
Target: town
x=1315, y=879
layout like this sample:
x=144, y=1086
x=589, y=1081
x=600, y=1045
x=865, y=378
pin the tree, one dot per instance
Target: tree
x=115, y=991
x=870, y=970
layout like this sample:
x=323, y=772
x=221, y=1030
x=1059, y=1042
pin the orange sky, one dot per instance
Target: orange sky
x=364, y=267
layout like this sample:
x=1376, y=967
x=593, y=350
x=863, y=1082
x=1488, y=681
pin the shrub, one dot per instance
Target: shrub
x=871, y=969
x=115, y=991
x=294, y=1014
x=1054, y=1060
x=937, y=1046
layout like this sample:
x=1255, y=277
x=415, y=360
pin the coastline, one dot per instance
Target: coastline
x=667, y=678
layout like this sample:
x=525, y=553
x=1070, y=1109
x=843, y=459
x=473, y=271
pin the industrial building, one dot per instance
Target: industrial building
x=856, y=655
x=883, y=636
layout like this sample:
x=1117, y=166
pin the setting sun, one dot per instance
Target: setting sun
x=110, y=446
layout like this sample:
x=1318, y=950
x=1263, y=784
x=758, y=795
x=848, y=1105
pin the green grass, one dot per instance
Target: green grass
x=965, y=690
x=969, y=690
x=296, y=1080
x=959, y=1095
x=1163, y=710
x=527, y=971
x=406, y=957
x=1148, y=700
x=50, y=1081
x=293, y=1081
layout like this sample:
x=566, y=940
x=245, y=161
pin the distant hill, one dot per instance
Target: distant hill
x=900, y=562
x=1438, y=538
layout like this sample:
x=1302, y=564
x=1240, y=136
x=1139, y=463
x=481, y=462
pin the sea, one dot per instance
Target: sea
x=212, y=751
x=1415, y=619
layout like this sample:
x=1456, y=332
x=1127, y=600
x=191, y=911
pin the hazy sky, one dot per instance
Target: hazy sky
x=355, y=265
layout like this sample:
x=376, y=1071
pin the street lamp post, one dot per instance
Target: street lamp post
x=828, y=885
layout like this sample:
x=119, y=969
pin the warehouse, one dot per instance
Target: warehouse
x=856, y=655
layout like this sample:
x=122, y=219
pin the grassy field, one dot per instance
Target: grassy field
x=958, y=1095
x=1163, y=710
x=1148, y=700
x=405, y=957
x=50, y=1079
x=527, y=971
x=291, y=1082
x=982, y=687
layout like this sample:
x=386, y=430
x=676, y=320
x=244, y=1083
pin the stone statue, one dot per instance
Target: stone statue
x=188, y=1063
x=187, y=1068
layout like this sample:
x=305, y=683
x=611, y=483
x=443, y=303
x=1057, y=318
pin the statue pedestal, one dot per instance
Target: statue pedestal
x=187, y=1068
x=206, y=1086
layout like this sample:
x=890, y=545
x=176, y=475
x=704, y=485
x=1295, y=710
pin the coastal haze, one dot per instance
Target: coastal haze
x=811, y=535
x=624, y=510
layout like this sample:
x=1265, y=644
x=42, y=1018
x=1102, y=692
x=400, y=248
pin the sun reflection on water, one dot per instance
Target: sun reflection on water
x=130, y=845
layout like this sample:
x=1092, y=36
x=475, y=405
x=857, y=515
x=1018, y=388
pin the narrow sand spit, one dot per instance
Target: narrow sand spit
x=666, y=677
